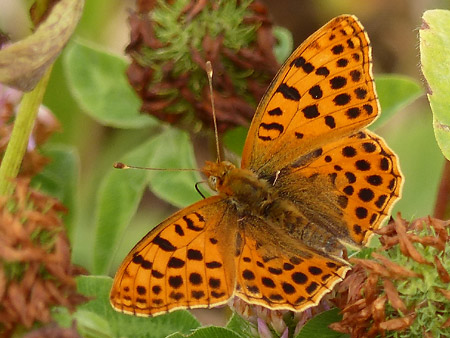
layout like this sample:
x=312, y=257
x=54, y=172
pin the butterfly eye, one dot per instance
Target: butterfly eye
x=212, y=181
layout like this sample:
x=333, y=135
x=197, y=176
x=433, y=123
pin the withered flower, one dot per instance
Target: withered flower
x=264, y=320
x=35, y=269
x=170, y=44
x=404, y=290
x=277, y=323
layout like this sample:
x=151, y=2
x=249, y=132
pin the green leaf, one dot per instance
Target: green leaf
x=97, y=82
x=318, y=326
x=435, y=62
x=92, y=325
x=173, y=149
x=208, y=332
x=118, y=198
x=121, y=190
x=394, y=92
x=59, y=178
x=121, y=325
x=243, y=327
x=62, y=316
x=23, y=63
x=234, y=139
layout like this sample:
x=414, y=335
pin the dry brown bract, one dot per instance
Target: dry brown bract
x=35, y=269
x=231, y=108
x=369, y=287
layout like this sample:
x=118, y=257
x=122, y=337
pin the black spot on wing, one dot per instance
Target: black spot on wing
x=355, y=75
x=353, y=113
x=360, y=93
x=275, y=112
x=141, y=290
x=175, y=263
x=316, y=92
x=213, y=265
x=190, y=224
x=268, y=282
x=342, y=99
x=272, y=126
x=163, y=244
x=248, y=275
x=197, y=294
x=311, y=112
x=195, y=278
x=374, y=180
x=338, y=82
x=195, y=255
x=343, y=62
x=175, y=281
x=322, y=71
x=330, y=122
x=288, y=92
x=338, y=49
x=179, y=230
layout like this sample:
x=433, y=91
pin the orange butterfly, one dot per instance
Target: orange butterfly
x=311, y=179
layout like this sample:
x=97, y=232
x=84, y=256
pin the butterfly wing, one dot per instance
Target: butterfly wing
x=308, y=139
x=324, y=88
x=182, y=263
x=347, y=186
x=276, y=272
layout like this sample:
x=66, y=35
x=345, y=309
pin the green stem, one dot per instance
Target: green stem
x=20, y=135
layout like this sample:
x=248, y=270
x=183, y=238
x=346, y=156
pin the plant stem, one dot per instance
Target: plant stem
x=20, y=134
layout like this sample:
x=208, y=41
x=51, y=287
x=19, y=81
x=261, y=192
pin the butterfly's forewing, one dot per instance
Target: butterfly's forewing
x=324, y=91
x=276, y=272
x=182, y=263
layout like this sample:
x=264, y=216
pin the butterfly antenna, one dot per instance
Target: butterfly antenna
x=120, y=165
x=209, y=71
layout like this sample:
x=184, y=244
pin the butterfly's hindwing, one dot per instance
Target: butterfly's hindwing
x=355, y=179
x=277, y=272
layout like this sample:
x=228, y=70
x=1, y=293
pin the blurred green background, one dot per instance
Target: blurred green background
x=392, y=27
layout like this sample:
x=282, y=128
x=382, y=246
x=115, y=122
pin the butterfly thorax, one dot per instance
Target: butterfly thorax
x=251, y=195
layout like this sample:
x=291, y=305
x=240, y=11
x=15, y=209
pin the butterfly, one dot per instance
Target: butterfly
x=312, y=180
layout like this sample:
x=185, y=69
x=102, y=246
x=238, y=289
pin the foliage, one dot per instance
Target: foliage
x=435, y=63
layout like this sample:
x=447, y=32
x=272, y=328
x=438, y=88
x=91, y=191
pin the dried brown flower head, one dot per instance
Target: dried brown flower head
x=170, y=43
x=404, y=288
x=35, y=268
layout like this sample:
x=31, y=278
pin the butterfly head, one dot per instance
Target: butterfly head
x=216, y=173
